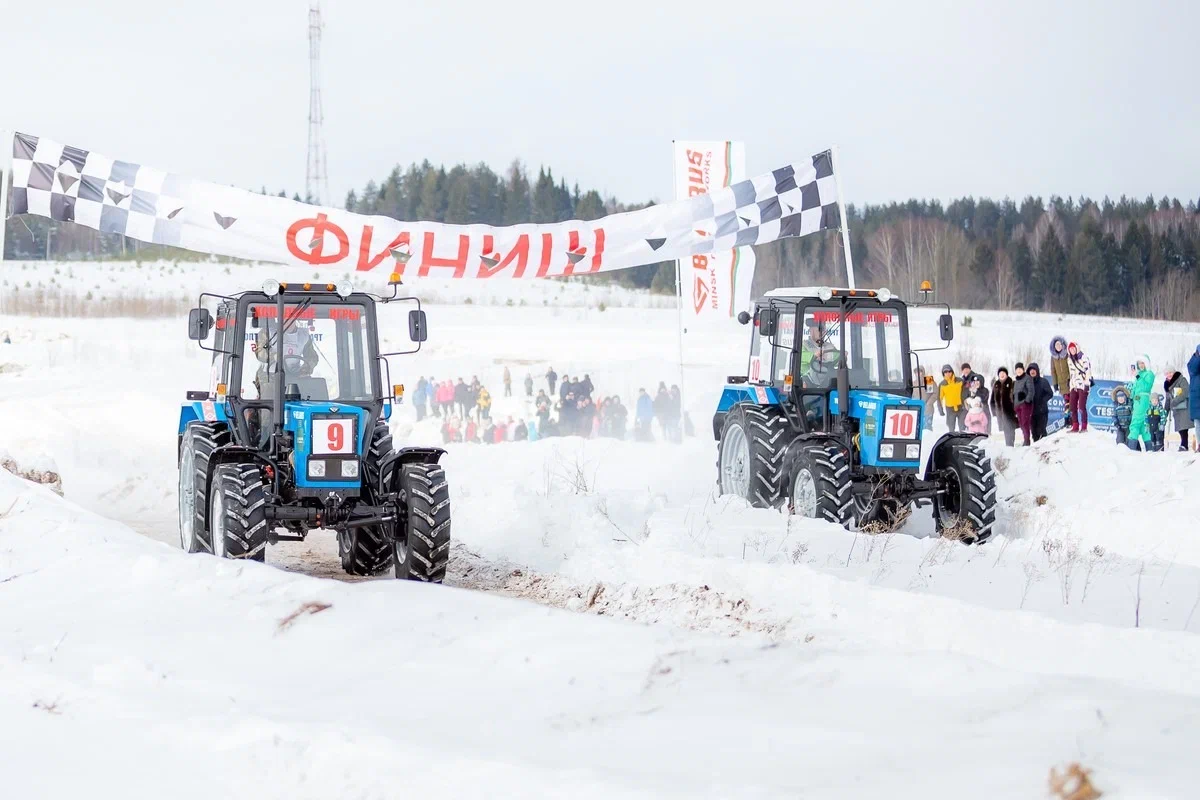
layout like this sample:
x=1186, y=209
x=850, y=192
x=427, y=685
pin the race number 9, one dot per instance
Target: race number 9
x=332, y=436
x=900, y=423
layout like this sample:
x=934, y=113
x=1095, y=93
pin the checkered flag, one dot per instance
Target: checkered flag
x=791, y=201
x=70, y=184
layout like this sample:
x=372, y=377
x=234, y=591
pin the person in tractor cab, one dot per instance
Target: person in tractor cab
x=299, y=353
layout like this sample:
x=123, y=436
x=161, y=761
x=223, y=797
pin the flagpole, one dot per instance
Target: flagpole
x=678, y=287
x=6, y=171
x=845, y=221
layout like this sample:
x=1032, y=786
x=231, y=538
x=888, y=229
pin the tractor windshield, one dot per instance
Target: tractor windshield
x=875, y=356
x=325, y=351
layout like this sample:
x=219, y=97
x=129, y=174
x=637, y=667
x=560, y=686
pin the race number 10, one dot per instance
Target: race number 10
x=900, y=423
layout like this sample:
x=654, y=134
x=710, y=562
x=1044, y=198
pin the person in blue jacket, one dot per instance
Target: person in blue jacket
x=1194, y=388
x=644, y=416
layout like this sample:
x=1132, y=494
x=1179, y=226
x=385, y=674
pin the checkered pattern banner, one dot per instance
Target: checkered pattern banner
x=73, y=184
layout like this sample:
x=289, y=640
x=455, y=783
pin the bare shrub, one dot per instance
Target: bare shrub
x=1074, y=784
x=55, y=302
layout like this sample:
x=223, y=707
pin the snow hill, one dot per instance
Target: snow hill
x=613, y=628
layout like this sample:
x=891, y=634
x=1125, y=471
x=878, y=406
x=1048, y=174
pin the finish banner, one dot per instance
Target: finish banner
x=713, y=287
x=71, y=184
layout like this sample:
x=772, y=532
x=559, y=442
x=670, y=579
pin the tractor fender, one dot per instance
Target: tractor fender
x=392, y=462
x=957, y=436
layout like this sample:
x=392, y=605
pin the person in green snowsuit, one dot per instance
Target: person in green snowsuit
x=1140, y=389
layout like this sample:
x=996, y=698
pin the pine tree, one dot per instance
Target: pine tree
x=458, y=209
x=1049, y=273
x=1087, y=287
x=517, y=205
x=545, y=201
x=432, y=206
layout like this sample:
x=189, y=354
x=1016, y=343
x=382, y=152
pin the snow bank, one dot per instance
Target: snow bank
x=201, y=678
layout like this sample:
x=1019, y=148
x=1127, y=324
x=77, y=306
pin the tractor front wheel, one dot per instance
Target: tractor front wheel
x=422, y=549
x=237, y=513
x=965, y=507
x=820, y=484
x=368, y=550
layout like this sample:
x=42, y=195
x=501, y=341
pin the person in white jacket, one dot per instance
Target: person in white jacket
x=1079, y=368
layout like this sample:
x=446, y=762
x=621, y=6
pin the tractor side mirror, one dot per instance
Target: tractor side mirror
x=743, y=317
x=200, y=322
x=946, y=327
x=418, y=327
x=768, y=321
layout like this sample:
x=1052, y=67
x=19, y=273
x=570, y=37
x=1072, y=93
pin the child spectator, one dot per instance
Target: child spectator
x=1122, y=414
x=976, y=389
x=1156, y=423
x=976, y=419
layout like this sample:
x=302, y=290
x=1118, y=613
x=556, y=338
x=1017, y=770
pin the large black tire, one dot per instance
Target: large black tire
x=750, y=454
x=368, y=550
x=200, y=439
x=423, y=552
x=967, y=510
x=819, y=484
x=238, y=512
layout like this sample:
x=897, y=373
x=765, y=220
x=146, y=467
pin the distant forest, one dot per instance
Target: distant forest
x=1078, y=255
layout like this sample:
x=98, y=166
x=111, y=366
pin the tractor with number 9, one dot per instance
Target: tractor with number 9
x=292, y=434
x=826, y=424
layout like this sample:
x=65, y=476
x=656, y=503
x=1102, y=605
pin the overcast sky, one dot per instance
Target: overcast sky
x=925, y=99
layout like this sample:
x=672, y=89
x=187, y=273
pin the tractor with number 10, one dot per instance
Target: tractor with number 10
x=825, y=421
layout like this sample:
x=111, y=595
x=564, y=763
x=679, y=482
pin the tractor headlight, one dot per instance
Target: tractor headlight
x=270, y=287
x=887, y=451
x=349, y=469
x=912, y=452
x=316, y=469
x=824, y=293
x=884, y=294
x=344, y=289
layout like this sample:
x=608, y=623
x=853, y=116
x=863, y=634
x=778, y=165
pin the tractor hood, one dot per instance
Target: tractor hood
x=889, y=428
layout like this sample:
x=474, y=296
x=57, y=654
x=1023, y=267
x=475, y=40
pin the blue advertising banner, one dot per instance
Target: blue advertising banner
x=1099, y=408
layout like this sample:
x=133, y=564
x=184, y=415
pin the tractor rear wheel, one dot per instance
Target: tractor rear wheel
x=368, y=550
x=238, y=512
x=422, y=553
x=199, y=441
x=966, y=509
x=820, y=484
x=750, y=454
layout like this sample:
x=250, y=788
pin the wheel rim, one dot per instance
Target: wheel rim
x=400, y=554
x=735, y=462
x=218, y=524
x=948, y=517
x=804, y=494
x=187, y=499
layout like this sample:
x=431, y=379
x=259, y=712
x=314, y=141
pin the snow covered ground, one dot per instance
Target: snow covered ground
x=745, y=654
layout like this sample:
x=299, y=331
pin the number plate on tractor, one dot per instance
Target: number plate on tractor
x=900, y=423
x=333, y=436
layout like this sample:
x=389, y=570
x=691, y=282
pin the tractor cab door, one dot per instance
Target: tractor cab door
x=771, y=345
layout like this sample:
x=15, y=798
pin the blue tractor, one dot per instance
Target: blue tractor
x=292, y=435
x=826, y=421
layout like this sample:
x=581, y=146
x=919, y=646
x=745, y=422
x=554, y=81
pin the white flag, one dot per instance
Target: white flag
x=72, y=184
x=713, y=287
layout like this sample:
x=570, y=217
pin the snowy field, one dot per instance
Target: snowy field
x=614, y=629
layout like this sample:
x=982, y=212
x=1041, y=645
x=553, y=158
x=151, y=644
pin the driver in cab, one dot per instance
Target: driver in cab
x=299, y=353
x=818, y=358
